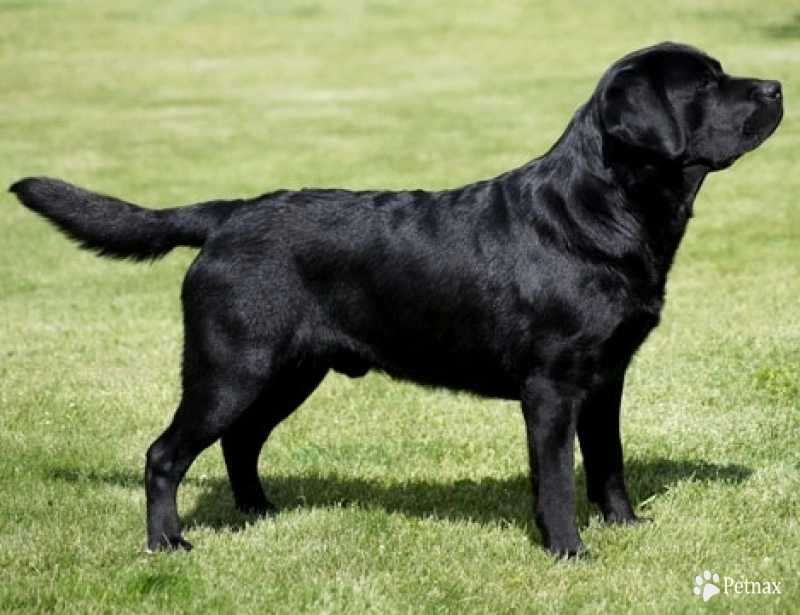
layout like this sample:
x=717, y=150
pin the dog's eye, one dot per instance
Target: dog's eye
x=708, y=82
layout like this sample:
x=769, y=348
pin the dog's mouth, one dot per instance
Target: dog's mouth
x=768, y=114
x=762, y=123
x=755, y=130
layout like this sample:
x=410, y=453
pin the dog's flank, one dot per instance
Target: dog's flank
x=538, y=285
x=112, y=227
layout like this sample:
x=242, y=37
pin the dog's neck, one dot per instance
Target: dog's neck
x=663, y=193
x=651, y=200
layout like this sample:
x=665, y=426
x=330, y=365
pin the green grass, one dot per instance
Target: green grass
x=395, y=499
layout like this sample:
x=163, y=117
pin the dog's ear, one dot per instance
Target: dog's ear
x=635, y=111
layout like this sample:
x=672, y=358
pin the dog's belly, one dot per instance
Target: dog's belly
x=495, y=364
x=454, y=362
x=478, y=377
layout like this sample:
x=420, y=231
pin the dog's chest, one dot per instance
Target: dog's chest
x=585, y=328
x=629, y=334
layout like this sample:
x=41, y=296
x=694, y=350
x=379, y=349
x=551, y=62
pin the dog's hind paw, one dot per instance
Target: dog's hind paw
x=571, y=551
x=617, y=520
x=260, y=507
x=167, y=543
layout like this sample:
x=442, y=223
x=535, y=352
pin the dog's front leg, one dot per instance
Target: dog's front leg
x=599, y=436
x=550, y=410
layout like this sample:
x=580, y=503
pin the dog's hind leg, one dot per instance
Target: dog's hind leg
x=223, y=375
x=243, y=441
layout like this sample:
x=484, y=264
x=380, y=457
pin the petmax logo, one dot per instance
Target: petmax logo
x=708, y=584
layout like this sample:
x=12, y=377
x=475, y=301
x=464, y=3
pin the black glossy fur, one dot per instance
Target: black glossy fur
x=538, y=285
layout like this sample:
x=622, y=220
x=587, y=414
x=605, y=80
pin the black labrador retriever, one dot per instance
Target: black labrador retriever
x=538, y=285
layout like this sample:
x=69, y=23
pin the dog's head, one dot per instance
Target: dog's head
x=674, y=103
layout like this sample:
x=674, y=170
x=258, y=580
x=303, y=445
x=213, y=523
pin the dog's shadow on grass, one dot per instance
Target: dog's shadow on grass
x=493, y=501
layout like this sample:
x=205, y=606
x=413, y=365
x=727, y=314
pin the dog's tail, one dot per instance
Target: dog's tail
x=114, y=228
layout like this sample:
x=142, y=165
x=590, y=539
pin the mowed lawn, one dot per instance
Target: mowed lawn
x=394, y=499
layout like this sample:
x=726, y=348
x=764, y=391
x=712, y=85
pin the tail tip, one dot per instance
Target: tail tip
x=29, y=184
x=33, y=192
x=18, y=186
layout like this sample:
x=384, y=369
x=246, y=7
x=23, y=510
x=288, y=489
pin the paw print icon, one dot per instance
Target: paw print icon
x=706, y=585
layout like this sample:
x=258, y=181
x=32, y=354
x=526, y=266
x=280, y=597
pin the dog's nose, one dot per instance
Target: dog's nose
x=771, y=90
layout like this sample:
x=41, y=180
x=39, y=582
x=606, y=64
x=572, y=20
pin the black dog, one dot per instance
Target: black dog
x=538, y=285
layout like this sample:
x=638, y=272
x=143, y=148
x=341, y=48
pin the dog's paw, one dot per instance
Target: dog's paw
x=169, y=543
x=627, y=520
x=260, y=507
x=569, y=552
